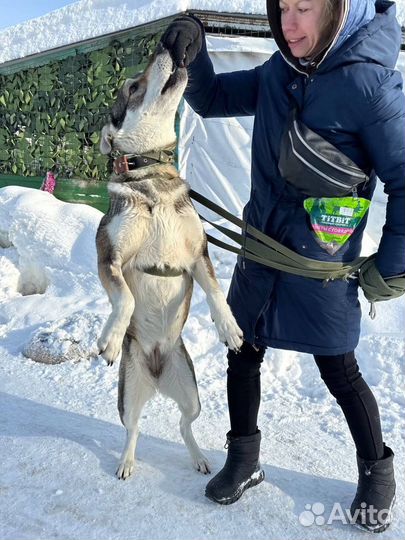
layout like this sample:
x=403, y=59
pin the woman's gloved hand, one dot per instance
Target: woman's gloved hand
x=375, y=287
x=183, y=39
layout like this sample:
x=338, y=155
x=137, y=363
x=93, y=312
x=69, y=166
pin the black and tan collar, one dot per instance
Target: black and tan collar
x=128, y=162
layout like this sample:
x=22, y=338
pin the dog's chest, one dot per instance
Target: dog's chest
x=169, y=238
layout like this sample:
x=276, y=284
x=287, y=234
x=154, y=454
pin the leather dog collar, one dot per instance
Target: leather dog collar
x=129, y=162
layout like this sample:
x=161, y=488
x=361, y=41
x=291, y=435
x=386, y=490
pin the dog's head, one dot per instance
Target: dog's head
x=142, y=118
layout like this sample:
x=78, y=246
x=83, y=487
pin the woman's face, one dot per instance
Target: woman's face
x=302, y=23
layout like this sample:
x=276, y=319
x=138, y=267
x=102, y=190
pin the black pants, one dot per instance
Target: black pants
x=342, y=377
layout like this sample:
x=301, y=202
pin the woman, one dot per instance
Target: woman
x=334, y=76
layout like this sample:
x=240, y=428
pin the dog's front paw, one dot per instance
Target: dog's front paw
x=229, y=332
x=109, y=346
x=202, y=464
x=125, y=468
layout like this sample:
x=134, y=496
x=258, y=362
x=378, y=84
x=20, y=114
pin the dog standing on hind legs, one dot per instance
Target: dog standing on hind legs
x=150, y=246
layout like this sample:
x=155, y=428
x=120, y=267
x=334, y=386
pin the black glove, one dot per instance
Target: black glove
x=183, y=39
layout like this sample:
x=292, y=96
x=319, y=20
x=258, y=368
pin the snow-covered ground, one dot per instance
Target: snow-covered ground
x=87, y=19
x=60, y=434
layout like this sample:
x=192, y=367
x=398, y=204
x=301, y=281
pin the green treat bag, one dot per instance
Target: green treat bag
x=334, y=220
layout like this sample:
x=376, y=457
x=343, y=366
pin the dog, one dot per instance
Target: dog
x=150, y=246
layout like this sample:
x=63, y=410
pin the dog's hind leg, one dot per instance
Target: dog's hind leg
x=135, y=388
x=179, y=383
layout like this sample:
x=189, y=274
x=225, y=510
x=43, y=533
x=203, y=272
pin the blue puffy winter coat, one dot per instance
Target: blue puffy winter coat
x=354, y=100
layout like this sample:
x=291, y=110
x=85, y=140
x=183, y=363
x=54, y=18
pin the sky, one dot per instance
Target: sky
x=18, y=11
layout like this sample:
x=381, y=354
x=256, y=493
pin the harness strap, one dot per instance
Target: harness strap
x=270, y=252
x=167, y=271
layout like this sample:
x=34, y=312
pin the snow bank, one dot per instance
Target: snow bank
x=48, y=270
x=72, y=339
x=49, y=236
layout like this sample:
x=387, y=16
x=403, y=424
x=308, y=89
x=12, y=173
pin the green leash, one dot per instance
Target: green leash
x=265, y=250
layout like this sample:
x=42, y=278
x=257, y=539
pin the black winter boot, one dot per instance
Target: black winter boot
x=241, y=470
x=375, y=496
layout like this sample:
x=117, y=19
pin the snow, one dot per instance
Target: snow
x=60, y=430
x=87, y=19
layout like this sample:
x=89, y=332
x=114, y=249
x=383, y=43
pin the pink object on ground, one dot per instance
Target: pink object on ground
x=49, y=182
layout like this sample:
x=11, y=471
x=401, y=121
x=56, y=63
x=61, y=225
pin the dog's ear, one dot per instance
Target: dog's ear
x=105, y=143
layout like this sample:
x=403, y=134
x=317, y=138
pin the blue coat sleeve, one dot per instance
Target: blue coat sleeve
x=383, y=135
x=222, y=95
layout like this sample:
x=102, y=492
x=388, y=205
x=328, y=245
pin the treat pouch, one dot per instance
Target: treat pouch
x=334, y=219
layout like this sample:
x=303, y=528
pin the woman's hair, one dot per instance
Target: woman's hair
x=330, y=21
x=328, y=14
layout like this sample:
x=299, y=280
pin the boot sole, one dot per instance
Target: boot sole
x=253, y=481
x=383, y=527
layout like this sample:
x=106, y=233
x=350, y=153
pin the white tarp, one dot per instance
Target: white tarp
x=214, y=153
